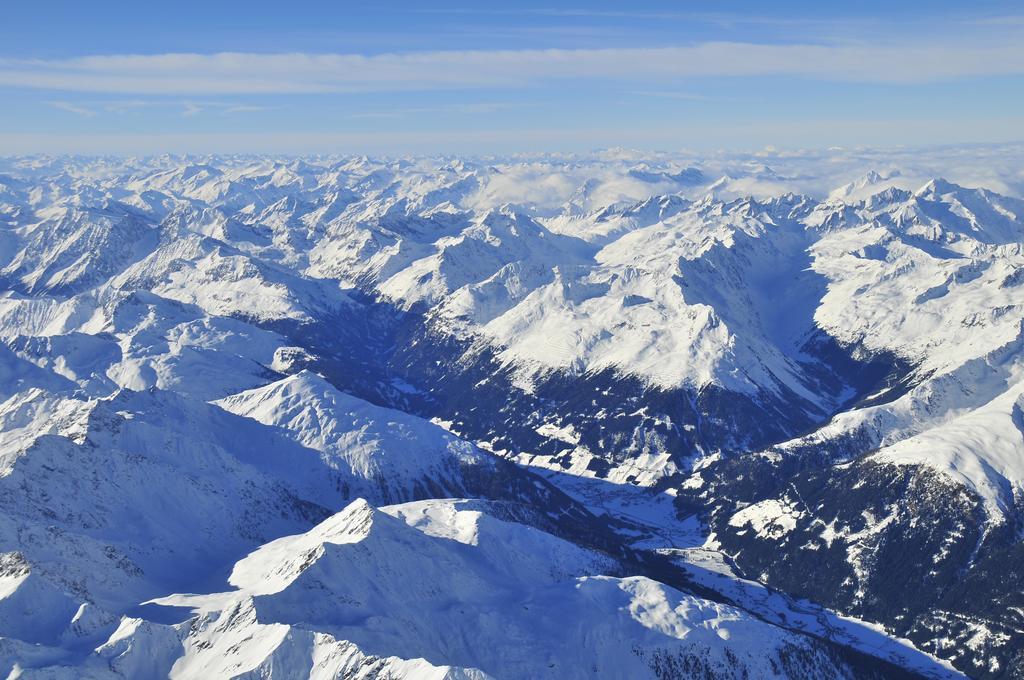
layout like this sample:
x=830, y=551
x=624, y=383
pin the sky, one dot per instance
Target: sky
x=391, y=77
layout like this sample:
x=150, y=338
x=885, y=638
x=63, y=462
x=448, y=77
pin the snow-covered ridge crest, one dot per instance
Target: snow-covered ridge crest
x=478, y=257
x=379, y=452
x=394, y=579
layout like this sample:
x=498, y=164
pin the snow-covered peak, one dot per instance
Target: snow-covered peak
x=274, y=566
x=394, y=583
x=871, y=183
x=383, y=453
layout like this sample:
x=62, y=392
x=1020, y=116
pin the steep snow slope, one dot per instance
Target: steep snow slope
x=115, y=500
x=929, y=275
x=445, y=581
x=675, y=303
x=982, y=449
x=74, y=247
x=383, y=454
x=437, y=589
x=932, y=277
x=118, y=499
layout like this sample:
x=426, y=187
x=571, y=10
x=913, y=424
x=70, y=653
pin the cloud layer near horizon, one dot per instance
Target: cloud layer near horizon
x=294, y=73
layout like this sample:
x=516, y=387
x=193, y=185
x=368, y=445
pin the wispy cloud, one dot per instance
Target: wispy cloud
x=187, y=109
x=194, y=108
x=72, y=108
x=125, y=106
x=470, y=108
x=670, y=94
x=244, y=108
x=247, y=73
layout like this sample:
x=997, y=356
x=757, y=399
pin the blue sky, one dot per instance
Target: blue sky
x=395, y=77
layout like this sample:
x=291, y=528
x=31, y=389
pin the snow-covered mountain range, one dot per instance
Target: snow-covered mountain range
x=616, y=415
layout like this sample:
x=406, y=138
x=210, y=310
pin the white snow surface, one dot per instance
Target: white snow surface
x=151, y=443
x=380, y=453
x=444, y=581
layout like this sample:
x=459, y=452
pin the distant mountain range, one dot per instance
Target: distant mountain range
x=564, y=417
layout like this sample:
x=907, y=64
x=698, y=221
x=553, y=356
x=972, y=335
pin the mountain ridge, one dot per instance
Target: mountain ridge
x=635, y=359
